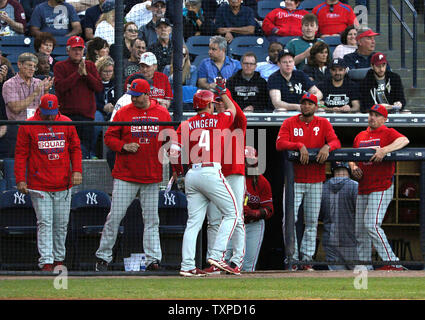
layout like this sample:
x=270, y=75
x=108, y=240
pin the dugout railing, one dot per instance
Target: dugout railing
x=400, y=245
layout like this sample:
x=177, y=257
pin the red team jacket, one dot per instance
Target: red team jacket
x=259, y=196
x=377, y=176
x=45, y=156
x=288, y=22
x=294, y=133
x=142, y=166
x=334, y=22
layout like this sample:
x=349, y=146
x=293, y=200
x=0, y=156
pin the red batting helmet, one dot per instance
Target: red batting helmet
x=202, y=98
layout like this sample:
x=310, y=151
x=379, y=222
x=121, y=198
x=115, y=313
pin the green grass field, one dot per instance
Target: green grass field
x=232, y=288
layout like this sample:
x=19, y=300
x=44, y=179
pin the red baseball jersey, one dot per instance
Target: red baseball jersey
x=294, y=134
x=144, y=165
x=288, y=22
x=377, y=176
x=259, y=196
x=202, y=136
x=334, y=19
x=233, y=161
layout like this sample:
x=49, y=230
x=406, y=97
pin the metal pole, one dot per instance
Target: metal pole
x=422, y=209
x=402, y=37
x=378, y=15
x=119, y=47
x=177, y=16
x=415, y=50
x=288, y=219
x=390, y=28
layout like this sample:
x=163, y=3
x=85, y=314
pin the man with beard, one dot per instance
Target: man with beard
x=266, y=68
x=148, y=32
x=138, y=47
x=300, y=132
x=56, y=17
x=382, y=86
x=339, y=92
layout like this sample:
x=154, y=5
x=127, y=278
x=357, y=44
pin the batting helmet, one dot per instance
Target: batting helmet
x=202, y=98
x=408, y=190
x=340, y=164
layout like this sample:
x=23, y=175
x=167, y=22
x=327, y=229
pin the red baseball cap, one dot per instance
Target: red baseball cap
x=139, y=87
x=49, y=105
x=367, y=33
x=378, y=58
x=379, y=109
x=75, y=41
x=309, y=96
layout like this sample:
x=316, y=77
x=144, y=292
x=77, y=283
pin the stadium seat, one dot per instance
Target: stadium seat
x=309, y=4
x=243, y=44
x=196, y=62
x=357, y=74
x=16, y=45
x=285, y=40
x=18, y=232
x=89, y=209
x=59, y=51
x=265, y=6
x=332, y=42
x=61, y=58
x=61, y=41
x=197, y=45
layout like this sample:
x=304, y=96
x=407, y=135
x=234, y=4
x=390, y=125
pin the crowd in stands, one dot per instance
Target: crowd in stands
x=275, y=82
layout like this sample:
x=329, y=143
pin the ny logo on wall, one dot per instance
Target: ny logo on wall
x=19, y=198
x=169, y=199
x=91, y=198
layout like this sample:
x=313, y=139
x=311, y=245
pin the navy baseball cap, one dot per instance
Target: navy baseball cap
x=338, y=63
x=284, y=52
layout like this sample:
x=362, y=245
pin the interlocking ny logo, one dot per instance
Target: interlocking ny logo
x=91, y=198
x=169, y=199
x=19, y=198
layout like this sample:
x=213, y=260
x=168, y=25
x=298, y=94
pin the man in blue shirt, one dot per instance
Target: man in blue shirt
x=56, y=17
x=90, y=18
x=217, y=65
x=234, y=20
x=266, y=68
x=287, y=86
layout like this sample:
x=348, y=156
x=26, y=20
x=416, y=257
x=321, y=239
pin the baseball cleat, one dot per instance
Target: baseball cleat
x=193, y=273
x=212, y=270
x=307, y=267
x=47, y=267
x=153, y=266
x=222, y=265
x=101, y=265
x=294, y=267
x=236, y=269
x=391, y=268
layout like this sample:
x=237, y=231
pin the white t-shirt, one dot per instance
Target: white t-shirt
x=123, y=101
x=105, y=31
x=139, y=14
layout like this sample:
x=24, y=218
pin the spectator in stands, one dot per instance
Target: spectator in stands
x=247, y=87
x=57, y=17
x=43, y=69
x=22, y=92
x=334, y=17
x=234, y=20
x=340, y=94
x=190, y=74
x=82, y=5
x=12, y=18
x=317, y=67
x=284, y=22
x=287, y=86
x=348, y=43
x=338, y=212
x=218, y=64
x=163, y=47
x=6, y=69
x=105, y=25
x=140, y=13
x=6, y=136
x=29, y=6
x=266, y=68
x=47, y=172
x=365, y=48
x=76, y=78
x=160, y=86
x=130, y=33
x=131, y=65
x=300, y=47
x=97, y=48
x=148, y=32
x=382, y=86
x=90, y=18
x=194, y=21
x=45, y=42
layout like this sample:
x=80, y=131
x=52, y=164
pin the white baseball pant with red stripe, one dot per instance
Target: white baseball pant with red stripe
x=370, y=211
x=254, y=240
x=202, y=185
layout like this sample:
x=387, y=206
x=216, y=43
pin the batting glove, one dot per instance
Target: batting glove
x=180, y=183
x=220, y=85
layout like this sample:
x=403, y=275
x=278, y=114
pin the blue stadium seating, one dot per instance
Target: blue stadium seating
x=332, y=42
x=309, y=4
x=198, y=45
x=265, y=6
x=243, y=44
x=285, y=40
x=199, y=59
x=9, y=173
x=16, y=45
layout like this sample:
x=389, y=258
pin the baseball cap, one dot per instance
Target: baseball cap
x=378, y=58
x=49, y=105
x=75, y=41
x=108, y=5
x=367, y=33
x=309, y=96
x=148, y=58
x=379, y=109
x=139, y=87
x=284, y=52
x=163, y=21
x=155, y=1
x=338, y=63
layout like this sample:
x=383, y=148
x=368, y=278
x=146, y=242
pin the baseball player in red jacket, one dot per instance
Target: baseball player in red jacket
x=376, y=187
x=137, y=170
x=44, y=156
x=299, y=133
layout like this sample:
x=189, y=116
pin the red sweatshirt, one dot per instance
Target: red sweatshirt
x=294, y=134
x=47, y=154
x=283, y=22
x=76, y=93
x=142, y=166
